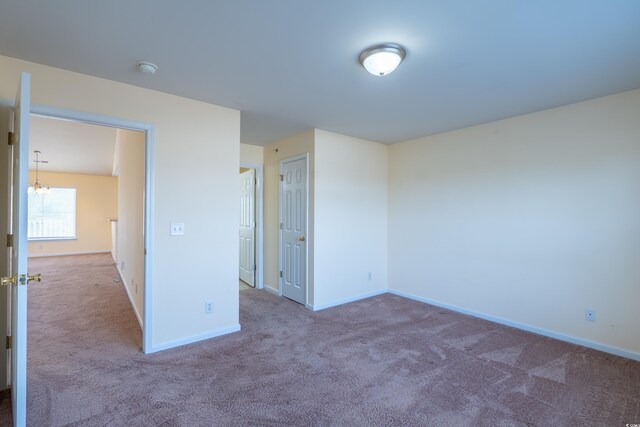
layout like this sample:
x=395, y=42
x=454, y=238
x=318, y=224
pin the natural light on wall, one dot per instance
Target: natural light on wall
x=52, y=215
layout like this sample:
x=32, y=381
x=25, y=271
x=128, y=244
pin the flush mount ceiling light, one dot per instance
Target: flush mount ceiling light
x=147, y=67
x=382, y=59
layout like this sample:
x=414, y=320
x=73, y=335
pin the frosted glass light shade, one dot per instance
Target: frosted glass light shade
x=382, y=59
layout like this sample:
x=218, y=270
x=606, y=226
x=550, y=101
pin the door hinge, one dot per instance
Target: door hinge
x=280, y=226
x=256, y=181
x=254, y=267
x=9, y=342
x=281, y=177
x=281, y=274
x=10, y=139
x=9, y=240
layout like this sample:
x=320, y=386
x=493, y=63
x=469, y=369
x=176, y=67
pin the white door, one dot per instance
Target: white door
x=18, y=265
x=293, y=208
x=247, y=226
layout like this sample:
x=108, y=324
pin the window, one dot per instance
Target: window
x=52, y=215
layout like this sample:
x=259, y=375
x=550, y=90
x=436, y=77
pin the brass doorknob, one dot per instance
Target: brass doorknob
x=301, y=239
x=35, y=277
x=6, y=281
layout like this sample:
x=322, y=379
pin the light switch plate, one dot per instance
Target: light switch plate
x=177, y=228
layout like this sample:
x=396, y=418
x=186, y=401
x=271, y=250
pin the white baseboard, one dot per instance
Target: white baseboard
x=540, y=331
x=272, y=290
x=318, y=307
x=133, y=305
x=67, y=253
x=194, y=338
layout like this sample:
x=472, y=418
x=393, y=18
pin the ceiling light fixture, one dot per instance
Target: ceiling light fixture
x=147, y=67
x=382, y=59
x=37, y=187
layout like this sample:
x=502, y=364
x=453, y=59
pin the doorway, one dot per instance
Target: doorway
x=85, y=198
x=143, y=201
x=250, y=231
x=293, y=228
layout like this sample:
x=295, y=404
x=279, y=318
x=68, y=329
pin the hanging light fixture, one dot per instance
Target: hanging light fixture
x=382, y=59
x=37, y=187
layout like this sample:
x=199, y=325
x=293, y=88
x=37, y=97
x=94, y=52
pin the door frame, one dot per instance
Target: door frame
x=305, y=157
x=149, y=174
x=258, y=215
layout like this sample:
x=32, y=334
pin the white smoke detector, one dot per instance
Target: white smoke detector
x=147, y=67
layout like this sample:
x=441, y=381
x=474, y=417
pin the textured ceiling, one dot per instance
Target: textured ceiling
x=290, y=65
x=71, y=146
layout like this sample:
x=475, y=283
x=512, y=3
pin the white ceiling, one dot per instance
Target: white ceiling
x=290, y=65
x=72, y=146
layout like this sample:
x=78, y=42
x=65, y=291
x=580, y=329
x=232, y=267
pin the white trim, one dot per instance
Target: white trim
x=347, y=300
x=259, y=221
x=149, y=173
x=194, y=338
x=534, y=329
x=304, y=156
x=68, y=253
x=133, y=304
x=272, y=290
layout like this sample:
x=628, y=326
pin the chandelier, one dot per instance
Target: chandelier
x=37, y=187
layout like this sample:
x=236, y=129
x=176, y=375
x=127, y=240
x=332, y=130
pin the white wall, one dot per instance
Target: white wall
x=296, y=145
x=96, y=201
x=350, y=218
x=530, y=219
x=251, y=154
x=130, y=225
x=195, y=142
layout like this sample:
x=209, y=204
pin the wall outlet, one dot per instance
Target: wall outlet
x=370, y=276
x=136, y=287
x=177, y=228
x=589, y=314
x=208, y=307
x=121, y=265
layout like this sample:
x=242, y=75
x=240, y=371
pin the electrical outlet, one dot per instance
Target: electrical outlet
x=370, y=276
x=177, y=228
x=136, y=287
x=589, y=314
x=121, y=265
x=208, y=307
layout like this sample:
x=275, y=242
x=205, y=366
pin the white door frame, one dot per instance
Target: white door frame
x=304, y=156
x=259, y=212
x=149, y=173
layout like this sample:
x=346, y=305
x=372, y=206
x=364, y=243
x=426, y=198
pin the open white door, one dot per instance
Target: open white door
x=19, y=278
x=248, y=226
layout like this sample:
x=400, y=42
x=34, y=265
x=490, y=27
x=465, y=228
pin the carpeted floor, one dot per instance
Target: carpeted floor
x=382, y=361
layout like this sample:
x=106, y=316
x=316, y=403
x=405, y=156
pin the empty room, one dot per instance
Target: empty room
x=339, y=213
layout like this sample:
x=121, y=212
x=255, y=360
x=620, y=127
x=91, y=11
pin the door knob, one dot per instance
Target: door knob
x=6, y=281
x=301, y=239
x=35, y=277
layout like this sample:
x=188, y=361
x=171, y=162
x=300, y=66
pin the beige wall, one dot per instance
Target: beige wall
x=251, y=154
x=530, y=219
x=350, y=224
x=296, y=145
x=96, y=201
x=130, y=225
x=195, y=142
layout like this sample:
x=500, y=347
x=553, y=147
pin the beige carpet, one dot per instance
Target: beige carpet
x=382, y=361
